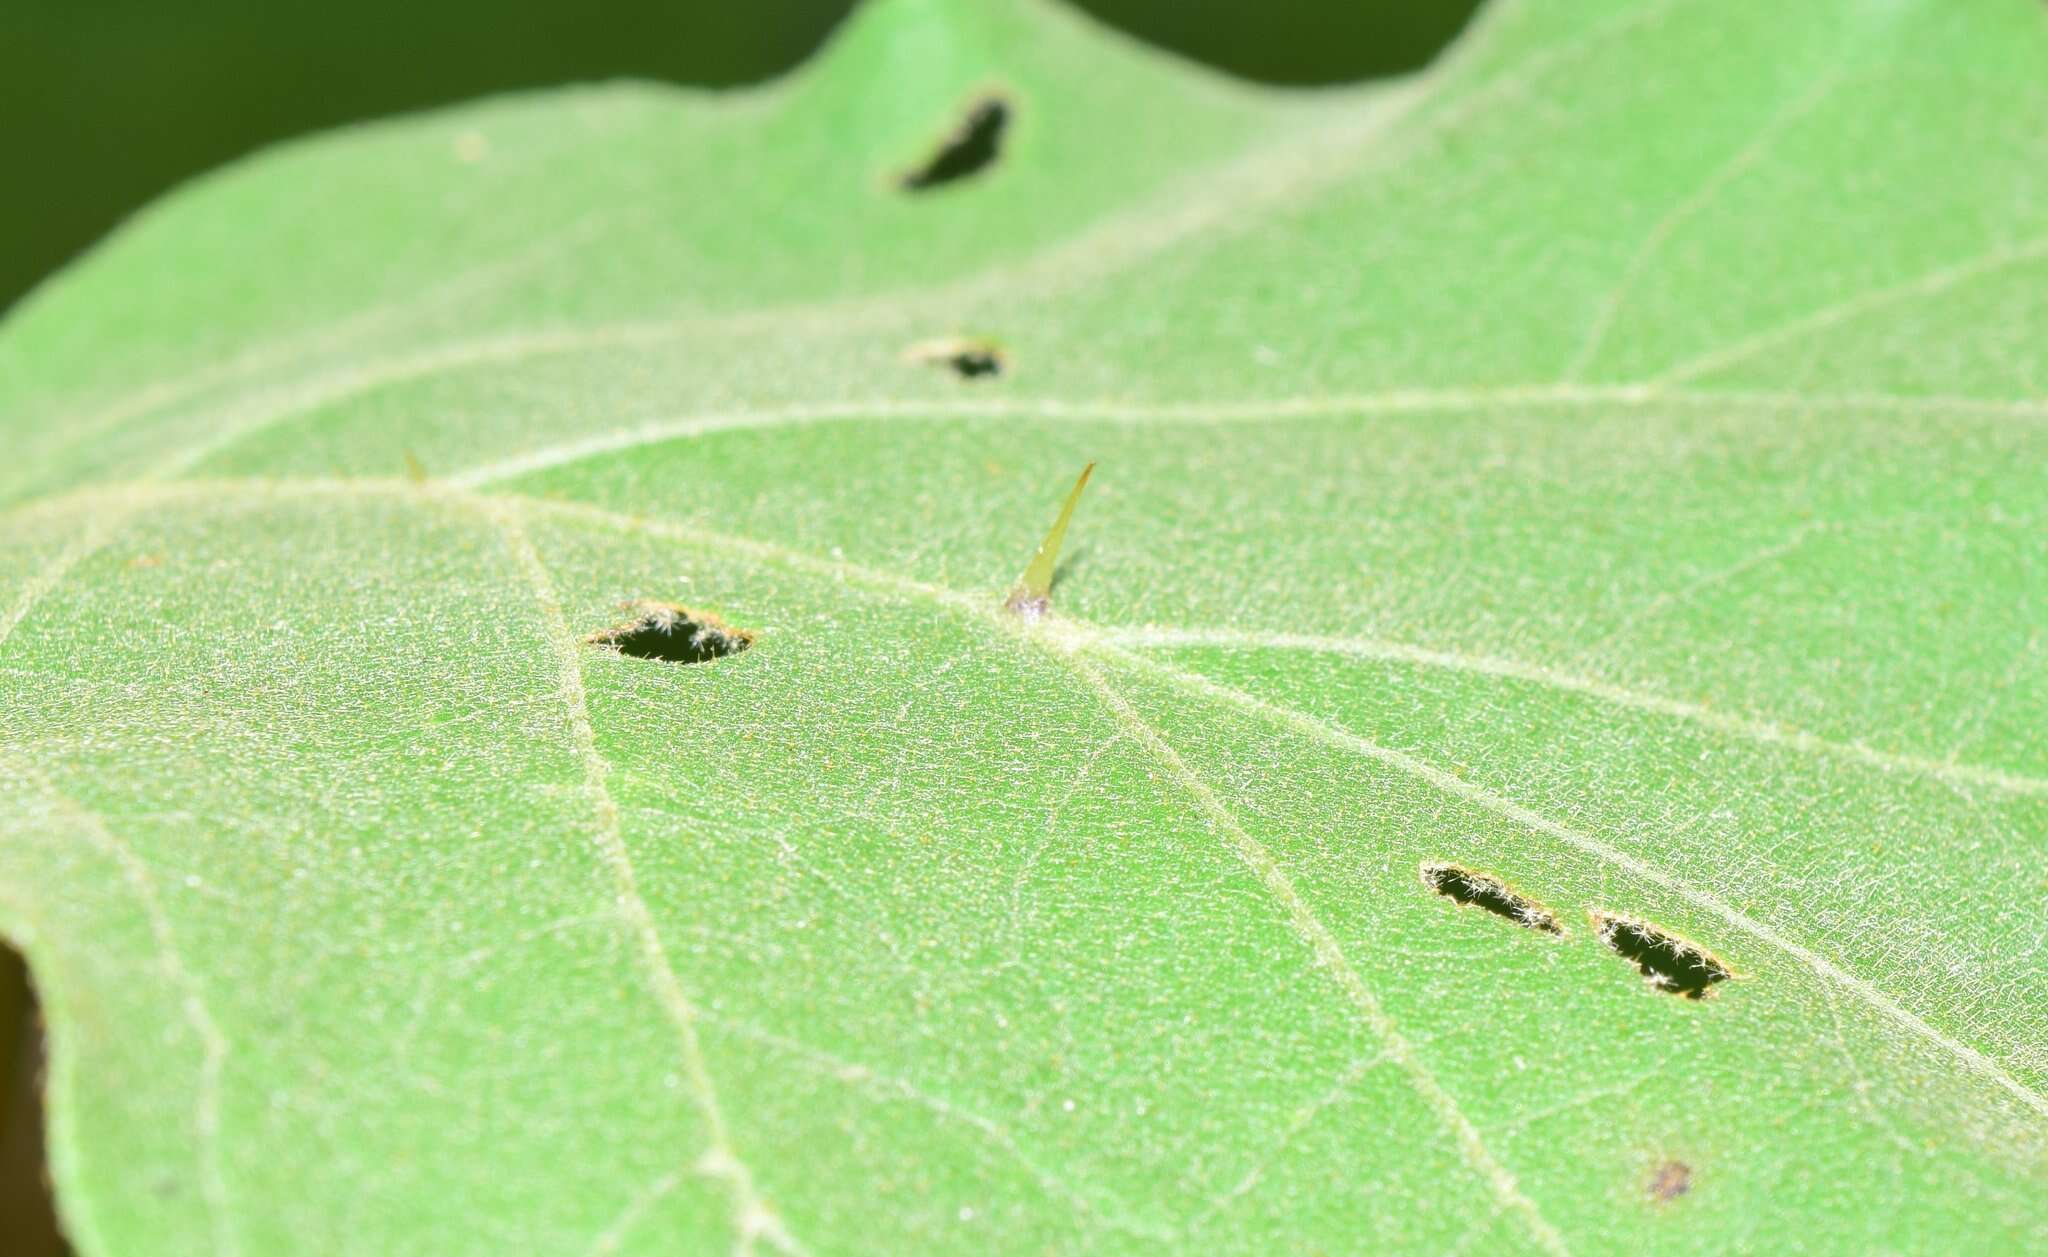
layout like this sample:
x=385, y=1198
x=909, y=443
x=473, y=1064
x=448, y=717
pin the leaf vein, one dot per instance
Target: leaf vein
x=213, y=1042
x=1766, y=732
x=1972, y=1059
x=854, y=1073
x=1675, y=220
x=1851, y=308
x=755, y=1220
x=1328, y=953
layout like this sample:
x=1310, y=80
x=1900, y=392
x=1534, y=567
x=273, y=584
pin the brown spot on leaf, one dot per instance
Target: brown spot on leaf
x=1672, y=1180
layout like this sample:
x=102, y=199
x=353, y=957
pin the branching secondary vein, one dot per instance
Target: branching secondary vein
x=213, y=1042
x=754, y=1219
x=507, y=509
x=1968, y=1056
x=1329, y=956
x=1766, y=732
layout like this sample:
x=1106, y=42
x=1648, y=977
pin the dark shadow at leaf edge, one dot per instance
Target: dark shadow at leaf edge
x=26, y=1201
x=1296, y=43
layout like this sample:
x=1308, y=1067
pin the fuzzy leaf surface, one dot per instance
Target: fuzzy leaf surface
x=1611, y=462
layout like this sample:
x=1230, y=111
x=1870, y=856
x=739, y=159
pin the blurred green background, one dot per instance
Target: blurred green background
x=105, y=104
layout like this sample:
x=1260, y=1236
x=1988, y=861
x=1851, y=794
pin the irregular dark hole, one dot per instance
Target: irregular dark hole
x=972, y=146
x=674, y=635
x=26, y=1201
x=972, y=364
x=968, y=359
x=1668, y=961
x=1490, y=893
x=1672, y=1180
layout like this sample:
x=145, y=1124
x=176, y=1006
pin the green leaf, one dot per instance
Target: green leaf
x=1608, y=466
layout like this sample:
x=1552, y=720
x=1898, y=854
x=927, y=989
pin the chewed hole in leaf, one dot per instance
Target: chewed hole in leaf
x=1667, y=961
x=672, y=634
x=1483, y=890
x=972, y=147
x=966, y=357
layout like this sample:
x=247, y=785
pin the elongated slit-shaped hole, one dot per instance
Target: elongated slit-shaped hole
x=967, y=357
x=972, y=147
x=1483, y=890
x=672, y=634
x=1667, y=962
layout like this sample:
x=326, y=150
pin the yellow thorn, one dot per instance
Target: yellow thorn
x=1032, y=598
